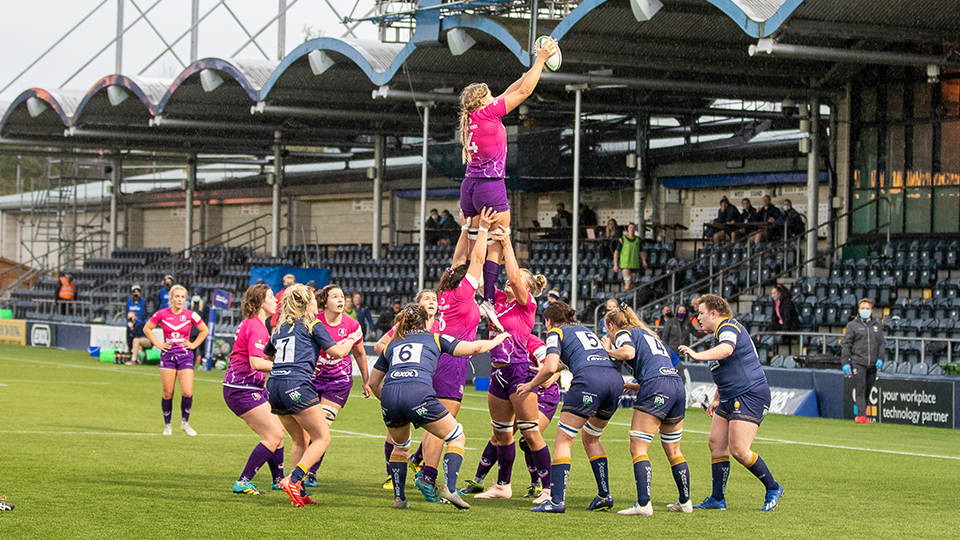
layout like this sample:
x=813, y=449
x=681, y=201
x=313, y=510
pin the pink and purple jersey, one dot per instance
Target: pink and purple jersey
x=487, y=142
x=329, y=369
x=252, y=337
x=176, y=326
x=536, y=351
x=518, y=320
x=457, y=312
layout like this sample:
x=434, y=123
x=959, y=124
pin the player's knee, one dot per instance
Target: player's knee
x=502, y=427
x=330, y=413
x=641, y=436
x=567, y=430
x=472, y=233
x=455, y=434
x=403, y=446
x=672, y=437
x=592, y=430
x=527, y=426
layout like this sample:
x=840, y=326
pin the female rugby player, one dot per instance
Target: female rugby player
x=245, y=391
x=589, y=404
x=660, y=405
x=408, y=396
x=333, y=377
x=484, y=153
x=176, y=355
x=739, y=405
x=294, y=348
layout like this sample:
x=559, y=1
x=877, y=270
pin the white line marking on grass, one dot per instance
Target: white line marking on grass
x=118, y=433
x=821, y=445
x=99, y=368
x=53, y=382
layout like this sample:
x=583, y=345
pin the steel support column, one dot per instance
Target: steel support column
x=421, y=274
x=277, y=187
x=379, y=163
x=188, y=189
x=639, y=174
x=813, y=184
x=574, y=249
x=117, y=164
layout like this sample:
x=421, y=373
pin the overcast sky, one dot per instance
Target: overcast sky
x=29, y=27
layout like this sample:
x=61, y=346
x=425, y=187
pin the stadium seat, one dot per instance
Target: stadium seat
x=920, y=369
x=777, y=361
x=789, y=362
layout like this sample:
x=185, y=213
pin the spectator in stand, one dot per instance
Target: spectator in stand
x=136, y=304
x=552, y=297
x=66, y=292
x=433, y=227
x=862, y=353
x=676, y=330
x=312, y=285
x=562, y=218
x=792, y=218
x=748, y=214
x=698, y=331
x=769, y=214
x=348, y=308
x=612, y=230
x=288, y=280
x=162, y=298
x=450, y=229
x=725, y=216
x=785, y=317
x=385, y=320
x=628, y=257
x=363, y=314
x=588, y=218
x=136, y=339
x=666, y=313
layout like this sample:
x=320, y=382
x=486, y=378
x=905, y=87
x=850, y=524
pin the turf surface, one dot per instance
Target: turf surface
x=81, y=456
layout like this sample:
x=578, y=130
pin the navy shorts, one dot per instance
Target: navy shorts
x=594, y=393
x=416, y=404
x=749, y=407
x=663, y=397
x=290, y=397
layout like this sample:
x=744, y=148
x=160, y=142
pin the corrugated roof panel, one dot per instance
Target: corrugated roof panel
x=759, y=10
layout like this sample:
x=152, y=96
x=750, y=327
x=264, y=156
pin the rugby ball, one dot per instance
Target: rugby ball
x=552, y=63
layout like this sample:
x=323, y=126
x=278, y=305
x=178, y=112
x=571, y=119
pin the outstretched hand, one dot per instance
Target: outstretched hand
x=547, y=49
x=488, y=217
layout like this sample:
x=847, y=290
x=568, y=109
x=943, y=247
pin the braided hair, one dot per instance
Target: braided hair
x=471, y=99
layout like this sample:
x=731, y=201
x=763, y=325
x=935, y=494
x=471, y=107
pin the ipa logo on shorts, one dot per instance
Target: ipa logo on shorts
x=659, y=400
x=421, y=411
x=294, y=395
x=587, y=399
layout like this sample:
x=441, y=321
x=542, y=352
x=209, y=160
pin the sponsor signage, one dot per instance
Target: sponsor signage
x=13, y=332
x=917, y=402
x=789, y=401
x=108, y=337
x=222, y=299
x=42, y=334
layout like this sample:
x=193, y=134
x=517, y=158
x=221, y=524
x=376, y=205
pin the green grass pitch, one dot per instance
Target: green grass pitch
x=81, y=456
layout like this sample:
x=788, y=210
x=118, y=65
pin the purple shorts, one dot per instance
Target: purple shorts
x=243, y=400
x=548, y=399
x=450, y=377
x=336, y=390
x=505, y=380
x=176, y=358
x=477, y=193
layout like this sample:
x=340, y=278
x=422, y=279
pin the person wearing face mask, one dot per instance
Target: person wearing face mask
x=676, y=330
x=793, y=220
x=863, y=353
x=433, y=227
x=136, y=304
x=666, y=313
x=784, y=311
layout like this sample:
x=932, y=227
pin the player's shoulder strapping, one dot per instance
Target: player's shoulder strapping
x=556, y=330
x=727, y=325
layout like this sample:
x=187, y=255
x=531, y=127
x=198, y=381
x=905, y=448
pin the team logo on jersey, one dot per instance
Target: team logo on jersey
x=659, y=400
x=668, y=371
x=294, y=395
x=256, y=396
x=421, y=411
x=736, y=406
x=588, y=399
x=342, y=332
x=764, y=413
x=183, y=317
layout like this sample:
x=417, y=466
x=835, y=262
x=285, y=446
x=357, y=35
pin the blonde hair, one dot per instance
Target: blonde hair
x=535, y=284
x=176, y=288
x=296, y=299
x=624, y=317
x=471, y=99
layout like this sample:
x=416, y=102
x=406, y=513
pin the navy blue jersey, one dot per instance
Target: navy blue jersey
x=295, y=349
x=740, y=372
x=414, y=358
x=652, y=358
x=579, y=348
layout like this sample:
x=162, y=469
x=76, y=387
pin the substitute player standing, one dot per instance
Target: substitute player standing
x=176, y=355
x=484, y=142
x=660, y=405
x=589, y=404
x=740, y=404
x=408, y=396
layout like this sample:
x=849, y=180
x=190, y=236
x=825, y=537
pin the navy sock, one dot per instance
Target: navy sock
x=720, y=469
x=642, y=473
x=452, y=461
x=760, y=470
x=387, y=450
x=491, y=273
x=398, y=471
x=599, y=466
x=681, y=475
x=298, y=473
x=559, y=472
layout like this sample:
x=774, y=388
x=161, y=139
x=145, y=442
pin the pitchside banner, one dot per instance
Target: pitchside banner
x=906, y=401
x=789, y=401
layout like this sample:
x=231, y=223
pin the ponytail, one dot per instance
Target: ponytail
x=471, y=99
x=412, y=317
x=559, y=313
